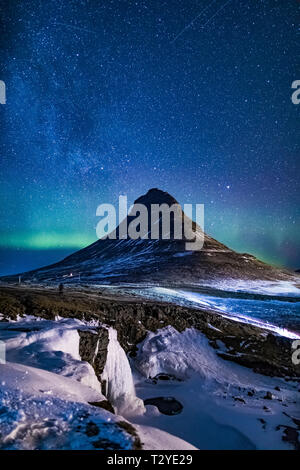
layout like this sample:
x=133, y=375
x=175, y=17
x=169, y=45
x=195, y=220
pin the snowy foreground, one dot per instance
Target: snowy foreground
x=46, y=392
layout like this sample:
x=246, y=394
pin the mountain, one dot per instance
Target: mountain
x=101, y=367
x=160, y=261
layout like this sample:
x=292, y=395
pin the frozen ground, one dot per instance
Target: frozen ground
x=41, y=410
x=224, y=404
x=287, y=288
x=45, y=390
x=278, y=314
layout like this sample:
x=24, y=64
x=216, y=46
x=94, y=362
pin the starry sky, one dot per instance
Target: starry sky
x=117, y=96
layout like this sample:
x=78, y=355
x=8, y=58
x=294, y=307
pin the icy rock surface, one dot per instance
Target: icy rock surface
x=118, y=376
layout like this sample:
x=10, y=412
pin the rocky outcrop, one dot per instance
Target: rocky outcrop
x=265, y=354
x=104, y=404
x=93, y=345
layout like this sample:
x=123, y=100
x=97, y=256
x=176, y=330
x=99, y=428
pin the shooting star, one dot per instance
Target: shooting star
x=193, y=21
x=198, y=16
x=218, y=11
x=74, y=27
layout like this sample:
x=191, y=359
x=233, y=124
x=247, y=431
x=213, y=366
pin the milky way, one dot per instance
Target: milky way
x=115, y=97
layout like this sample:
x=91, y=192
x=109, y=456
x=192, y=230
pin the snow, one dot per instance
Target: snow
x=48, y=345
x=270, y=315
x=181, y=254
x=209, y=390
x=45, y=390
x=40, y=410
x=261, y=313
x=156, y=439
x=183, y=355
x=168, y=351
x=38, y=383
x=280, y=287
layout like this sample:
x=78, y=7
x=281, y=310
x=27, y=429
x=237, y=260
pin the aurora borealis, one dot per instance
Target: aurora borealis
x=117, y=96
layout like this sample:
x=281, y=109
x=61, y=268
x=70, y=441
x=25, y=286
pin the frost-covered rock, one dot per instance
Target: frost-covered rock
x=48, y=345
x=93, y=346
x=71, y=348
x=102, y=350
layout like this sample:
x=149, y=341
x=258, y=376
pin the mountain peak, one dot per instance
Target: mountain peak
x=156, y=196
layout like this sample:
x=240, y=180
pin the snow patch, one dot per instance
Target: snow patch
x=180, y=354
x=48, y=345
x=40, y=410
x=284, y=288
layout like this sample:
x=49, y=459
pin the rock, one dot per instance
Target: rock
x=166, y=405
x=165, y=377
x=241, y=400
x=291, y=435
x=93, y=346
x=263, y=422
x=268, y=396
x=88, y=340
x=105, y=404
x=297, y=422
x=132, y=431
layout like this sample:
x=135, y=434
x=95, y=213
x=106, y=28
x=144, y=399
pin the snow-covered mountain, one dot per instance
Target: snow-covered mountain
x=157, y=261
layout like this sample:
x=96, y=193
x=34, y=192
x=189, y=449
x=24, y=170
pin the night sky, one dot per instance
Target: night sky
x=115, y=97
